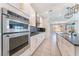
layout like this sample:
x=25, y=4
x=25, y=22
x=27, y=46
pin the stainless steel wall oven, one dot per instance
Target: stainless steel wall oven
x=15, y=33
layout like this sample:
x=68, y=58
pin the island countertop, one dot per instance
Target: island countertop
x=72, y=40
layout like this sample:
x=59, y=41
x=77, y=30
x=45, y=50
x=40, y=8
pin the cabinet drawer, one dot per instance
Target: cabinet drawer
x=33, y=44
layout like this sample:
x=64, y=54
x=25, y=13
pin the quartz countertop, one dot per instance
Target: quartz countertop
x=35, y=33
x=73, y=40
x=32, y=34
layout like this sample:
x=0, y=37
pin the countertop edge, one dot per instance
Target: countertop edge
x=37, y=34
x=68, y=40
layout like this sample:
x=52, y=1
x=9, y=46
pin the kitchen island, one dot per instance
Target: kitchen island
x=68, y=46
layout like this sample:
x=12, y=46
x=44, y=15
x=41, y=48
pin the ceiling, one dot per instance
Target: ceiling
x=55, y=11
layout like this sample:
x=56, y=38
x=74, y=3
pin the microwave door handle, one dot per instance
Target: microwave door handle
x=7, y=16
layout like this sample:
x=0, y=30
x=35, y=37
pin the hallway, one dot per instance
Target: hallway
x=48, y=47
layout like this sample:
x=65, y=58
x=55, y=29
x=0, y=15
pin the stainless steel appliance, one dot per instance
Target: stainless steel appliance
x=14, y=42
x=13, y=22
x=15, y=33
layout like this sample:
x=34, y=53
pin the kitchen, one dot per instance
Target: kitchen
x=26, y=26
x=18, y=36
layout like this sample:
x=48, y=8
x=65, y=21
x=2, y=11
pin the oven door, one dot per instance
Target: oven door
x=14, y=42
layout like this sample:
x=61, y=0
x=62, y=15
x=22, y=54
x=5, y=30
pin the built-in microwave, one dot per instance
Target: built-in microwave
x=13, y=22
x=9, y=25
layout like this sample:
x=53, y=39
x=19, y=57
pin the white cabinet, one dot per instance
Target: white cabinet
x=65, y=47
x=68, y=49
x=40, y=22
x=33, y=43
x=19, y=8
x=36, y=40
x=28, y=11
x=12, y=8
x=17, y=5
x=40, y=37
x=27, y=8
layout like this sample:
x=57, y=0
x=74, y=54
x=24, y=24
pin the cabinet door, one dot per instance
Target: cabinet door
x=33, y=44
x=43, y=36
x=36, y=41
x=38, y=38
x=68, y=48
x=65, y=47
x=17, y=5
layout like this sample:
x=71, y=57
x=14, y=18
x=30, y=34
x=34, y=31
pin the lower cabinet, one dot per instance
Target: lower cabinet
x=35, y=41
x=65, y=47
x=68, y=48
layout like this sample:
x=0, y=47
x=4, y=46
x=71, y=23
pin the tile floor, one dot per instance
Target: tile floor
x=48, y=47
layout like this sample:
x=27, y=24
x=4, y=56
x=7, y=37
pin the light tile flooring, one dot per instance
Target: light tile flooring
x=48, y=47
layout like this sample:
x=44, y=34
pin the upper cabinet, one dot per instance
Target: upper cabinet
x=17, y=5
x=27, y=10
x=31, y=12
x=40, y=22
x=14, y=7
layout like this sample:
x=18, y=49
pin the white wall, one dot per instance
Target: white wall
x=27, y=9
